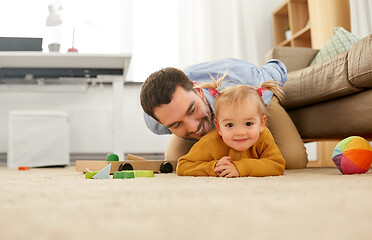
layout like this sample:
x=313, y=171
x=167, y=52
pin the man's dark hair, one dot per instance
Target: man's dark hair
x=159, y=87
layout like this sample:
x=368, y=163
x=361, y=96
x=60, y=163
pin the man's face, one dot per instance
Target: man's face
x=188, y=114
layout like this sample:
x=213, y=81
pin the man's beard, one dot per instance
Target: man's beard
x=211, y=124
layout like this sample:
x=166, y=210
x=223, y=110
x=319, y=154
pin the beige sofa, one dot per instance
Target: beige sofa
x=332, y=99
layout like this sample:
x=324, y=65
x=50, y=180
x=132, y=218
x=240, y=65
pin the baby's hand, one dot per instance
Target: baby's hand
x=223, y=161
x=225, y=168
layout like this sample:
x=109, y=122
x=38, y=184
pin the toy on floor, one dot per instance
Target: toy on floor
x=89, y=175
x=123, y=175
x=133, y=163
x=133, y=174
x=112, y=157
x=23, y=168
x=353, y=155
x=104, y=173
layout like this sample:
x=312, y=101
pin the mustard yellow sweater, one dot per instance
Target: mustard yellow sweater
x=260, y=160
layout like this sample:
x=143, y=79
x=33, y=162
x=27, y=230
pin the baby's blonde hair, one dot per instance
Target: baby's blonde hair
x=240, y=94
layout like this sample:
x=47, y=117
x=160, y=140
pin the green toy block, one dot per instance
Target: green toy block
x=128, y=174
x=89, y=175
x=144, y=173
x=123, y=174
x=112, y=157
x=117, y=175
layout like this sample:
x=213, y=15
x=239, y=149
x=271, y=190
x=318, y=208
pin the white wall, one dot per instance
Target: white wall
x=361, y=17
x=151, y=35
x=90, y=118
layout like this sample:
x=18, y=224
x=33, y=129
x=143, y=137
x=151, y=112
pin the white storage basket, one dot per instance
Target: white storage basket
x=38, y=138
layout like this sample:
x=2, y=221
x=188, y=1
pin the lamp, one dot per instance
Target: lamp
x=53, y=18
x=53, y=22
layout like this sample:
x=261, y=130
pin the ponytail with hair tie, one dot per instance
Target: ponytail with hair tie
x=215, y=87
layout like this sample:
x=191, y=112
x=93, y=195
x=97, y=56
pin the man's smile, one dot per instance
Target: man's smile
x=201, y=127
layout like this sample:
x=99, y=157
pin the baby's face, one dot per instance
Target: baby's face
x=240, y=126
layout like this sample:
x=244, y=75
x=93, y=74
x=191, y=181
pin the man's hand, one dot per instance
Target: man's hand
x=225, y=168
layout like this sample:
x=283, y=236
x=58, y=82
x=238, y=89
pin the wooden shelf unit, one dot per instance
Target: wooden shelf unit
x=295, y=15
x=311, y=23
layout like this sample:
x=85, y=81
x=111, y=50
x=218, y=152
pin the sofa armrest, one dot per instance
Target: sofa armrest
x=294, y=58
x=360, y=63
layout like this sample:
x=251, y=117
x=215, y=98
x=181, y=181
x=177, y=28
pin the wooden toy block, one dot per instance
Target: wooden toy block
x=117, y=175
x=143, y=173
x=136, y=163
x=135, y=158
x=112, y=157
x=89, y=175
x=104, y=173
x=133, y=174
x=123, y=175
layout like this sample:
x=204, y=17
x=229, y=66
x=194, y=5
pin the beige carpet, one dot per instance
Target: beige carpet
x=58, y=203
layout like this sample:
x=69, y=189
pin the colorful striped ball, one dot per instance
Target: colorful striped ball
x=353, y=155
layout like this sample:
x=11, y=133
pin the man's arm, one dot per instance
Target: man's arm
x=240, y=72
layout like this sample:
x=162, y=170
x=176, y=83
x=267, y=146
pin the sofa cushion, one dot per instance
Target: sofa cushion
x=318, y=83
x=338, y=118
x=289, y=56
x=360, y=71
x=340, y=42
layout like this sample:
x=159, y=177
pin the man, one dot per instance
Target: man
x=172, y=105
